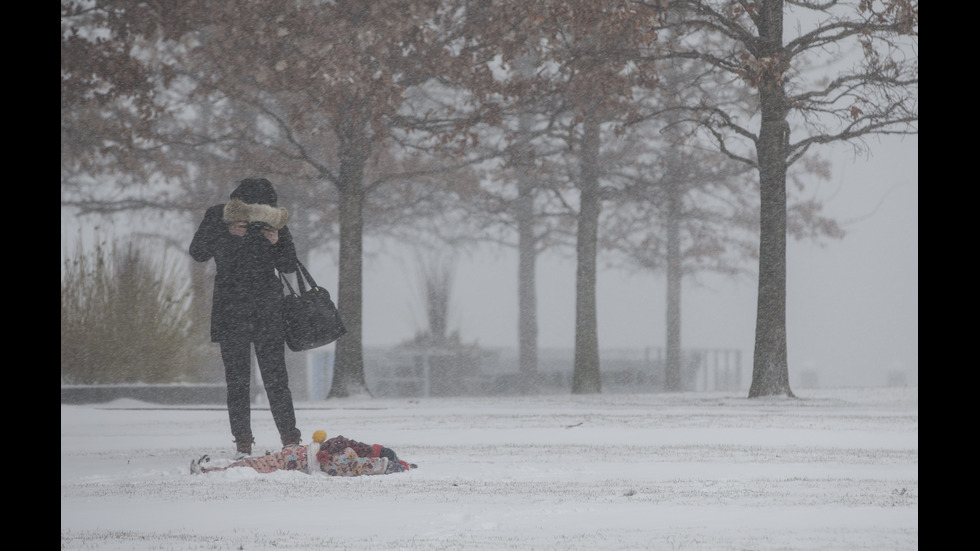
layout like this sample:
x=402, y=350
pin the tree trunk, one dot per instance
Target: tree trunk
x=586, y=377
x=348, y=377
x=672, y=370
x=527, y=296
x=770, y=368
x=527, y=301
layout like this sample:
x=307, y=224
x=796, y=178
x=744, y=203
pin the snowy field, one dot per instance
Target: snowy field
x=835, y=469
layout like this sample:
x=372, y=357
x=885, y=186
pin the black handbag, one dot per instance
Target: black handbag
x=311, y=318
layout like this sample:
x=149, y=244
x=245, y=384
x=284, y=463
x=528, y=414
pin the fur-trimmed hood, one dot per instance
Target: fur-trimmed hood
x=237, y=210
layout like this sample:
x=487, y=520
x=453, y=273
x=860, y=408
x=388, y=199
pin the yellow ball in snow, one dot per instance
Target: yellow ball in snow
x=319, y=436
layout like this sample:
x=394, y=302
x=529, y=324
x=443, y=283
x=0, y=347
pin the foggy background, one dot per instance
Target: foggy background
x=852, y=305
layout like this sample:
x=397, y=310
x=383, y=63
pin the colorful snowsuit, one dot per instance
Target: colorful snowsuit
x=291, y=458
x=337, y=456
x=341, y=456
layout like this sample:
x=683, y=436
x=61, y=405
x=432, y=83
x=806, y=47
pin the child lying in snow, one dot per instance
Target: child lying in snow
x=337, y=456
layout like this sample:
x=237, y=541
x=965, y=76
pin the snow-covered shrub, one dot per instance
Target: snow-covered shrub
x=124, y=319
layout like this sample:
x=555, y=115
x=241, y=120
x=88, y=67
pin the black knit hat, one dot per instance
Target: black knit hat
x=256, y=190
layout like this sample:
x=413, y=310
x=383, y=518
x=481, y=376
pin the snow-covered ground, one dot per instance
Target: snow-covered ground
x=834, y=469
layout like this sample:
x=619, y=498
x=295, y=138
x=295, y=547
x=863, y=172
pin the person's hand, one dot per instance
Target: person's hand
x=238, y=228
x=270, y=233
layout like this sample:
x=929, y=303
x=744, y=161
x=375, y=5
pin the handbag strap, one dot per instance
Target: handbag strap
x=299, y=279
x=301, y=273
x=285, y=281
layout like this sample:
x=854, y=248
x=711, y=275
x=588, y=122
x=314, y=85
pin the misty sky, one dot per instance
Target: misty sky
x=852, y=304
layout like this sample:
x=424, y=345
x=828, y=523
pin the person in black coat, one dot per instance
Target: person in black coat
x=249, y=240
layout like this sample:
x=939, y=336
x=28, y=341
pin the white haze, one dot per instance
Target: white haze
x=836, y=469
x=852, y=305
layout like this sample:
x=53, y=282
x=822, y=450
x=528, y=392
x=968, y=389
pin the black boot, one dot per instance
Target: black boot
x=291, y=438
x=244, y=447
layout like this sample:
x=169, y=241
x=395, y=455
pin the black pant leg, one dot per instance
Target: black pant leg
x=271, y=355
x=236, y=356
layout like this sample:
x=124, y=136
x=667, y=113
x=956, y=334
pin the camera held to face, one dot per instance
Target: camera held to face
x=258, y=227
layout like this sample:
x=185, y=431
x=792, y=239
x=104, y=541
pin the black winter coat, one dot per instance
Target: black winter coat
x=247, y=302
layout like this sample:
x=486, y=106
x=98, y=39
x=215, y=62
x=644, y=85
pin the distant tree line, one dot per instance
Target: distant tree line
x=665, y=134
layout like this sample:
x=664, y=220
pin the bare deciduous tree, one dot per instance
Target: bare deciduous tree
x=306, y=92
x=809, y=90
